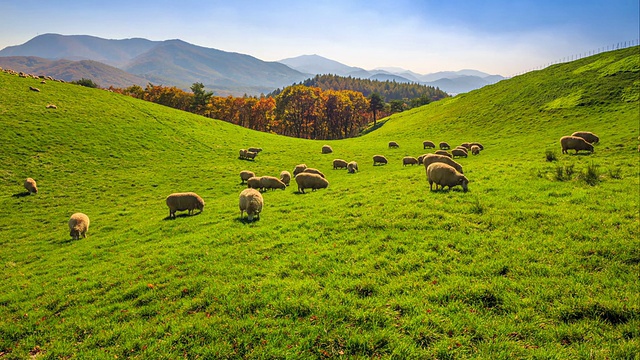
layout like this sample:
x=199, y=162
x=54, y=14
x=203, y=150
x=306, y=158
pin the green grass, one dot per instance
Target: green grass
x=524, y=265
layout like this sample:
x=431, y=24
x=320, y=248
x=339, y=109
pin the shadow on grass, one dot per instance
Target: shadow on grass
x=372, y=128
x=185, y=215
x=245, y=220
x=22, y=194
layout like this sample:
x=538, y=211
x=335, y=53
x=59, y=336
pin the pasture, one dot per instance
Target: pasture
x=539, y=259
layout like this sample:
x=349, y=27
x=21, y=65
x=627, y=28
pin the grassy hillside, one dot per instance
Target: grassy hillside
x=533, y=262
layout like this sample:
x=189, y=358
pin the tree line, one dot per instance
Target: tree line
x=299, y=110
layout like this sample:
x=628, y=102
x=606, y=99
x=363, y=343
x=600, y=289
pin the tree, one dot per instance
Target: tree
x=85, y=82
x=200, y=98
x=376, y=103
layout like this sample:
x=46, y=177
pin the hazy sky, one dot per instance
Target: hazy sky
x=495, y=36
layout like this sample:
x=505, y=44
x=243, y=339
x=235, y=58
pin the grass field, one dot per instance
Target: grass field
x=539, y=260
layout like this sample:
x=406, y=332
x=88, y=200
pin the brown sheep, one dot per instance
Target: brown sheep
x=352, y=167
x=78, y=226
x=444, y=153
x=254, y=182
x=574, y=143
x=432, y=158
x=30, y=185
x=246, y=175
x=445, y=175
x=298, y=169
x=271, y=182
x=313, y=171
x=478, y=145
x=255, y=150
x=51, y=106
x=459, y=153
x=184, y=201
x=444, y=146
x=251, y=155
x=250, y=201
x=409, y=160
x=379, y=159
x=34, y=89
x=466, y=145
x=393, y=144
x=428, y=144
x=339, y=164
x=475, y=150
x=310, y=181
x=326, y=149
x=243, y=153
x=590, y=137
x=285, y=177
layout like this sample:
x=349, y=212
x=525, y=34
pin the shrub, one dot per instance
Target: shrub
x=564, y=173
x=551, y=155
x=85, y=82
x=591, y=175
x=615, y=173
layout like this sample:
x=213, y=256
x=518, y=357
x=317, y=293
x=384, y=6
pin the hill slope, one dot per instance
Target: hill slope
x=524, y=265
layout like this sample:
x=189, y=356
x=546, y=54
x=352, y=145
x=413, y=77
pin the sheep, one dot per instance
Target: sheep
x=271, y=182
x=184, y=201
x=445, y=175
x=250, y=201
x=575, y=143
x=251, y=155
x=459, y=153
x=254, y=182
x=246, y=175
x=310, y=181
x=379, y=159
x=78, y=226
x=30, y=185
x=428, y=144
x=444, y=146
x=51, y=106
x=313, y=171
x=298, y=169
x=339, y=164
x=393, y=144
x=326, y=149
x=43, y=82
x=255, y=150
x=243, y=153
x=466, y=145
x=421, y=158
x=590, y=137
x=352, y=167
x=433, y=158
x=477, y=144
x=461, y=147
x=444, y=153
x=409, y=160
x=475, y=150
x=285, y=177
x=34, y=89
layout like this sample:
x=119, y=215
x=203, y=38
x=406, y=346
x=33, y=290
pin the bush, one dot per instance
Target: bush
x=551, y=155
x=591, y=175
x=615, y=173
x=564, y=172
x=85, y=82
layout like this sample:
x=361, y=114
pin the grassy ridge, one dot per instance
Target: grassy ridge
x=522, y=266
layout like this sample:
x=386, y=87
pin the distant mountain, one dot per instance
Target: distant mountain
x=461, y=84
x=317, y=65
x=169, y=63
x=390, y=77
x=68, y=70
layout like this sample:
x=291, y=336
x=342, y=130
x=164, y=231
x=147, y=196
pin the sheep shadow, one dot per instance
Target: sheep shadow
x=581, y=154
x=246, y=221
x=21, y=194
x=184, y=215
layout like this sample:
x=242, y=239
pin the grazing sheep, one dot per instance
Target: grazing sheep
x=475, y=150
x=393, y=144
x=34, y=89
x=271, y=182
x=477, y=144
x=433, y=158
x=251, y=201
x=428, y=144
x=421, y=158
x=184, y=201
x=246, y=175
x=30, y=185
x=326, y=149
x=339, y=164
x=352, y=167
x=254, y=182
x=298, y=169
x=409, y=160
x=574, y=143
x=444, y=146
x=445, y=175
x=444, y=153
x=78, y=226
x=255, y=150
x=310, y=181
x=461, y=147
x=243, y=153
x=285, y=177
x=459, y=153
x=379, y=159
x=466, y=145
x=51, y=106
x=251, y=155
x=313, y=171
x=590, y=137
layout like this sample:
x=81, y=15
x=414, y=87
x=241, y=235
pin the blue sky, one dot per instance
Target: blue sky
x=424, y=36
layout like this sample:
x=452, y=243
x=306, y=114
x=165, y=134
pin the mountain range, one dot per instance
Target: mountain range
x=136, y=61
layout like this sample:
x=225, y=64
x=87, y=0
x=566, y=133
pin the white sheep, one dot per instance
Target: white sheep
x=352, y=167
x=409, y=160
x=339, y=164
x=246, y=175
x=285, y=177
x=326, y=149
x=252, y=202
x=575, y=143
x=254, y=182
x=184, y=201
x=313, y=171
x=271, y=182
x=311, y=181
x=251, y=155
x=299, y=168
x=433, y=158
x=243, y=153
x=30, y=185
x=78, y=226
x=445, y=175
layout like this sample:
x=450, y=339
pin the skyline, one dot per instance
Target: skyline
x=496, y=37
